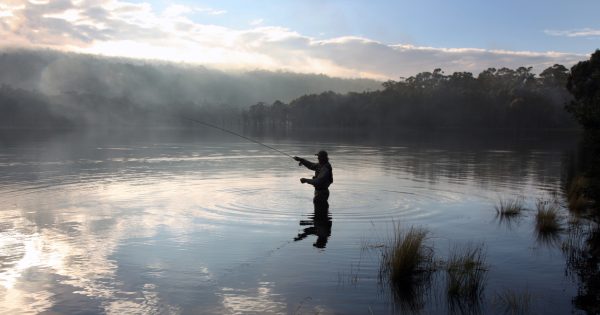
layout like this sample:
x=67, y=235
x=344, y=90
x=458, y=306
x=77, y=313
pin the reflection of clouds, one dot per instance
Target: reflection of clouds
x=262, y=300
x=20, y=300
x=72, y=247
x=18, y=253
x=149, y=304
x=258, y=300
x=70, y=232
x=80, y=262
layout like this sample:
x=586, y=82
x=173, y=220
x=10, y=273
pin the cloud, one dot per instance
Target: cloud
x=256, y=22
x=210, y=11
x=118, y=28
x=583, y=32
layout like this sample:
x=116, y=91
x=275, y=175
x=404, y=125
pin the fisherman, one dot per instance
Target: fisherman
x=322, y=179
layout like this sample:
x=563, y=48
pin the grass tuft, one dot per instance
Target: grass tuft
x=512, y=302
x=466, y=272
x=547, y=220
x=407, y=265
x=510, y=207
x=408, y=255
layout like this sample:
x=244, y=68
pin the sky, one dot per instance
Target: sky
x=346, y=38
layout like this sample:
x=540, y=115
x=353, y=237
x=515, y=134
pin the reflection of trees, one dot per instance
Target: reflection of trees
x=581, y=183
x=582, y=252
x=497, y=162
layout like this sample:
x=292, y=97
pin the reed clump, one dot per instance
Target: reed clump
x=513, y=302
x=466, y=272
x=407, y=255
x=547, y=219
x=507, y=208
x=407, y=266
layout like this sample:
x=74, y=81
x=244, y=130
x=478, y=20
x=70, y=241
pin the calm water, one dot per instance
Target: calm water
x=207, y=225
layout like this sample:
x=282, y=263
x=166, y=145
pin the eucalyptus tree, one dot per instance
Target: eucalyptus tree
x=584, y=84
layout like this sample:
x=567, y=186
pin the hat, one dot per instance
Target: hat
x=322, y=153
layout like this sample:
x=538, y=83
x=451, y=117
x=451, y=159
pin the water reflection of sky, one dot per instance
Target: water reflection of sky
x=204, y=227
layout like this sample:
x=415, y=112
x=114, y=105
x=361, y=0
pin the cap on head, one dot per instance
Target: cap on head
x=322, y=153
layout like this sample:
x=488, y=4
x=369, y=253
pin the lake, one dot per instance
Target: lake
x=213, y=224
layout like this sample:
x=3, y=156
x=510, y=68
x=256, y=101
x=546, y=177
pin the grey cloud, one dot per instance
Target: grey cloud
x=97, y=13
x=285, y=49
x=95, y=24
x=393, y=61
x=50, y=6
x=584, y=32
x=38, y=28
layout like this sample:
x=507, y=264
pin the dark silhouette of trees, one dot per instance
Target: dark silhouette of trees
x=555, y=76
x=64, y=91
x=584, y=84
x=497, y=98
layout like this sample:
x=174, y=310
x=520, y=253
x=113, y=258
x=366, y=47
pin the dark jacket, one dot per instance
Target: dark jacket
x=323, y=174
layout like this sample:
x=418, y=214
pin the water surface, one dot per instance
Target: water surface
x=206, y=225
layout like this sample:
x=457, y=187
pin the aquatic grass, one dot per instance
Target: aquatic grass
x=351, y=277
x=547, y=218
x=407, y=265
x=301, y=304
x=513, y=302
x=509, y=211
x=407, y=255
x=510, y=207
x=466, y=272
x=547, y=221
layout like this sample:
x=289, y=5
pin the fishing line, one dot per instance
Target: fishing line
x=237, y=134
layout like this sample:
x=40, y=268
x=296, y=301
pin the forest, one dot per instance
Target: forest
x=495, y=99
x=44, y=89
x=53, y=90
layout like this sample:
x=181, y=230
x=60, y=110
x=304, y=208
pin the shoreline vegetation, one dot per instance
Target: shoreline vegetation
x=42, y=90
x=415, y=275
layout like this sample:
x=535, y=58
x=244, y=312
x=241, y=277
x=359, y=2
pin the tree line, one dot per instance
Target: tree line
x=496, y=98
x=95, y=94
x=44, y=89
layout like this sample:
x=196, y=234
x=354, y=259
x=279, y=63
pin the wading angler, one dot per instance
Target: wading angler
x=322, y=179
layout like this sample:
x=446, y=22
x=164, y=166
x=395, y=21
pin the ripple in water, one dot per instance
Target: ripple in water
x=175, y=228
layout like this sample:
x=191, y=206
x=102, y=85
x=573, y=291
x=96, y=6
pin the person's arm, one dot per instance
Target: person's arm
x=306, y=163
x=319, y=180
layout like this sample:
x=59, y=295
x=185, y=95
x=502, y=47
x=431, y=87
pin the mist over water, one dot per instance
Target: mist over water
x=206, y=224
x=41, y=89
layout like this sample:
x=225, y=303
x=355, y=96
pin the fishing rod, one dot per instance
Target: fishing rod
x=237, y=134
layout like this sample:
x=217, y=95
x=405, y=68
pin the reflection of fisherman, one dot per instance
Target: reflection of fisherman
x=319, y=224
x=322, y=179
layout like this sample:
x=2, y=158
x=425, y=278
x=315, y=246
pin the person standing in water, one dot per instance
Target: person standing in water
x=322, y=179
